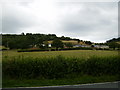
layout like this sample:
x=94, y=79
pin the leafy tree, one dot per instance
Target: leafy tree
x=57, y=43
x=12, y=44
x=114, y=45
x=69, y=45
x=18, y=43
x=46, y=44
x=39, y=42
x=78, y=41
x=22, y=33
x=88, y=42
x=65, y=38
x=23, y=43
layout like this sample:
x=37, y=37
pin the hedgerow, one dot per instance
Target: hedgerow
x=59, y=67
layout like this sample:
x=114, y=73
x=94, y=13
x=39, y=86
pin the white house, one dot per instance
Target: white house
x=49, y=45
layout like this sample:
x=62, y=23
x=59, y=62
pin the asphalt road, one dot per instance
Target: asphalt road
x=94, y=85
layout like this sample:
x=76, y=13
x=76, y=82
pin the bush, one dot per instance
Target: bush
x=59, y=67
x=46, y=49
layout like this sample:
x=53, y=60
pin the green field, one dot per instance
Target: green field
x=59, y=67
x=69, y=53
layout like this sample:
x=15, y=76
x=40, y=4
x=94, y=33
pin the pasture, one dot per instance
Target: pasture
x=69, y=53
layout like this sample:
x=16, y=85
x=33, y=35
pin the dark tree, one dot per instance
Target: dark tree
x=114, y=45
x=57, y=43
x=22, y=33
x=88, y=42
x=69, y=45
x=18, y=43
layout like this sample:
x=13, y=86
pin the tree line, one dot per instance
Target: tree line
x=29, y=40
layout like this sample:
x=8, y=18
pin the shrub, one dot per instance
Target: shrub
x=52, y=49
x=59, y=67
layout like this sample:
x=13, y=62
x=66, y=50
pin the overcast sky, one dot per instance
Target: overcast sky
x=94, y=21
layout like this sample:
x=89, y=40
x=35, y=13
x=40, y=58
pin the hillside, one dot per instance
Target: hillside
x=114, y=40
x=114, y=43
x=118, y=42
x=74, y=42
x=29, y=40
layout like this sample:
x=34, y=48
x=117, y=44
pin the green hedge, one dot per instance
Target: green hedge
x=59, y=67
x=33, y=50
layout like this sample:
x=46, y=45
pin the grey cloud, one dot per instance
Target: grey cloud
x=92, y=21
x=96, y=20
x=77, y=28
x=14, y=19
x=12, y=24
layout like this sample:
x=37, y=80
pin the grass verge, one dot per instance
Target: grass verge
x=11, y=82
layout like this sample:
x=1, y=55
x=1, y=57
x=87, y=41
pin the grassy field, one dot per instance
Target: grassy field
x=56, y=82
x=69, y=53
x=59, y=67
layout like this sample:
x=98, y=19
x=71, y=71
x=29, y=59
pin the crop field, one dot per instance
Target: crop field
x=69, y=53
x=59, y=67
x=65, y=41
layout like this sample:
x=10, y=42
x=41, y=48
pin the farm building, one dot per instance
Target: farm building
x=81, y=46
x=101, y=46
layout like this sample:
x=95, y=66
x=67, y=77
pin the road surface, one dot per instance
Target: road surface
x=94, y=85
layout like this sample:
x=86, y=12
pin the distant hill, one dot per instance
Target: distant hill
x=29, y=40
x=114, y=40
x=114, y=43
